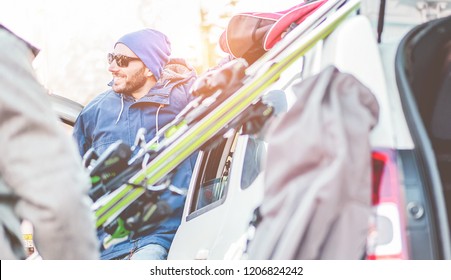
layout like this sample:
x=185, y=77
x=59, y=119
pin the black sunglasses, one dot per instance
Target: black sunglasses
x=121, y=60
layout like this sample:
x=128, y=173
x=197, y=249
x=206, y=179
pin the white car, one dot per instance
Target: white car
x=412, y=220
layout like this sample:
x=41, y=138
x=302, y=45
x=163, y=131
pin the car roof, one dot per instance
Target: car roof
x=66, y=109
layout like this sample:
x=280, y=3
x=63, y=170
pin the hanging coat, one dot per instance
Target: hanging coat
x=317, y=198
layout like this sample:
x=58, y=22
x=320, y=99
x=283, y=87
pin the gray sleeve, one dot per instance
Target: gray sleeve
x=40, y=163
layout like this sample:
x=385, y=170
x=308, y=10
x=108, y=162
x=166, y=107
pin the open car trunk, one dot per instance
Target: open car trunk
x=423, y=75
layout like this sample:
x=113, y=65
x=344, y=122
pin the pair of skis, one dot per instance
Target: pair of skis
x=214, y=112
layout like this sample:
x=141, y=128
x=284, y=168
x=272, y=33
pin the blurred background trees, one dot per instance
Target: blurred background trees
x=75, y=36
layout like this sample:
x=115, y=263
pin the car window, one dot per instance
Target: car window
x=212, y=180
x=252, y=164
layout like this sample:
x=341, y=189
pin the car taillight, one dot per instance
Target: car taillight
x=387, y=238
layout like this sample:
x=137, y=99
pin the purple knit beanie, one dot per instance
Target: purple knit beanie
x=151, y=46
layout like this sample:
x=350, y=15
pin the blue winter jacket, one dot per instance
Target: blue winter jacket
x=113, y=116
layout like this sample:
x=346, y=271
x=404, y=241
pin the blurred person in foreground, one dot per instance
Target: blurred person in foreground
x=41, y=178
x=147, y=91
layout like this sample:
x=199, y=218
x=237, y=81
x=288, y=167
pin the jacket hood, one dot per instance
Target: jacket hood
x=176, y=71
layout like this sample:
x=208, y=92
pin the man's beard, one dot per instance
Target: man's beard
x=135, y=82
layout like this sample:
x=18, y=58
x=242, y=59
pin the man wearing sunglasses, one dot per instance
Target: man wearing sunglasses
x=41, y=178
x=147, y=91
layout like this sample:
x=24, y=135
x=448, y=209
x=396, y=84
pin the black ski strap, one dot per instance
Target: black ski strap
x=8, y=198
x=380, y=22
